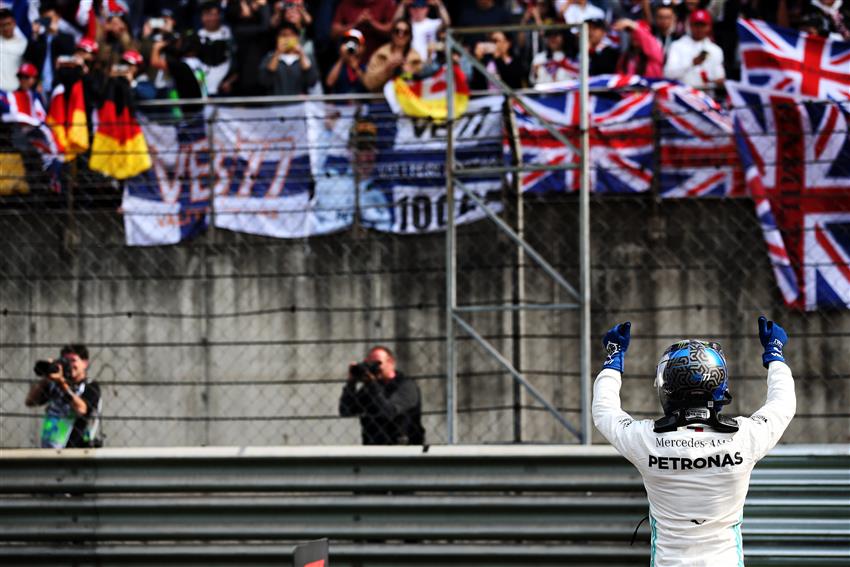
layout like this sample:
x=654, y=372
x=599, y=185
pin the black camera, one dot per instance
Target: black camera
x=45, y=367
x=361, y=369
x=351, y=46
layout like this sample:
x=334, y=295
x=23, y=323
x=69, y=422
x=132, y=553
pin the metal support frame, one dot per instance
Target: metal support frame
x=454, y=312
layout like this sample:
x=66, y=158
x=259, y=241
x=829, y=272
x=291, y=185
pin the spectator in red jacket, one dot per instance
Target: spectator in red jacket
x=644, y=55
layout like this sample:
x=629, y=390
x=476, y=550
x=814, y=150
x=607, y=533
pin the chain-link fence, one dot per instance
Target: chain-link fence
x=240, y=330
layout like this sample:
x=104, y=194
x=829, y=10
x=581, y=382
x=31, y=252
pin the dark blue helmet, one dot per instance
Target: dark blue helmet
x=691, y=374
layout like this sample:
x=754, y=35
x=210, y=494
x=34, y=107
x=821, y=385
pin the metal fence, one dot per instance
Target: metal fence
x=230, y=338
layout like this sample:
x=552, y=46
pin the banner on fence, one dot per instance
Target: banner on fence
x=796, y=154
x=792, y=61
x=298, y=170
x=407, y=189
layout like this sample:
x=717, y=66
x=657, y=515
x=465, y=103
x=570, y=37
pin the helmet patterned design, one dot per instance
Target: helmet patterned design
x=690, y=374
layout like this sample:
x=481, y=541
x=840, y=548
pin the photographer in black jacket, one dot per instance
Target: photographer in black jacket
x=388, y=402
x=73, y=403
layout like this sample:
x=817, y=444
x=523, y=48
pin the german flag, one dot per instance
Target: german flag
x=119, y=149
x=426, y=98
x=67, y=120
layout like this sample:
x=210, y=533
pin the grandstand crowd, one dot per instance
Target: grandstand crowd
x=200, y=48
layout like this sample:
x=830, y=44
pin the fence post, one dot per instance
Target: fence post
x=451, y=250
x=584, y=242
x=518, y=274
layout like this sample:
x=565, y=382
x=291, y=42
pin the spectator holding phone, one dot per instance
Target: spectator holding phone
x=694, y=59
x=288, y=70
x=498, y=57
x=47, y=44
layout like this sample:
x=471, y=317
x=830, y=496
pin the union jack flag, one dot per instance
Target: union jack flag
x=698, y=155
x=796, y=62
x=796, y=154
x=621, y=141
x=27, y=110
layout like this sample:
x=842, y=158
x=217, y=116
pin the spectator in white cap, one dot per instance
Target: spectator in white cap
x=346, y=75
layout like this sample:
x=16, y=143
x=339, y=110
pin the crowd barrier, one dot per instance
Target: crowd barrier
x=470, y=505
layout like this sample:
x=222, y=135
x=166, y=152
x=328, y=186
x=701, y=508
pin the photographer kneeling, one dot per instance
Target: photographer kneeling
x=71, y=418
x=388, y=402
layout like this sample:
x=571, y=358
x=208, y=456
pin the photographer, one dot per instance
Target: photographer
x=346, y=74
x=388, y=402
x=71, y=418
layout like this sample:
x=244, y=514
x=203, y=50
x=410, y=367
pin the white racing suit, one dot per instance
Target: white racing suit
x=696, y=478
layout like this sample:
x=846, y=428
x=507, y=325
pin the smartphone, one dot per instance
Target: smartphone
x=157, y=23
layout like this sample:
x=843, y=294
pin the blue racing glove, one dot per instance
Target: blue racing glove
x=773, y=338
x=616, y=343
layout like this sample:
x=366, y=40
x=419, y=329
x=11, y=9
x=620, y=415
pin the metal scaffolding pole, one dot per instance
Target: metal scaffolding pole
x=584, y=240
x=451, y=254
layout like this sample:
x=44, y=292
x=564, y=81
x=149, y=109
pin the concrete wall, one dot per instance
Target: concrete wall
x=232, y=339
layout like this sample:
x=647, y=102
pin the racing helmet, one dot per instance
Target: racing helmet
x=692, y=373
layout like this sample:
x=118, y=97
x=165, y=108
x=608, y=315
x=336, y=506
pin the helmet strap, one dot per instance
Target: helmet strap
x=683, y=417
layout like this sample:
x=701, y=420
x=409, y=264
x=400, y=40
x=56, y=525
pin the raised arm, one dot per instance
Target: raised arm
x=770, y=421
x=608, y=415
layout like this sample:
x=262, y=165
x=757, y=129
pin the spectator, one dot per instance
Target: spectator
x=665, y=27
x=553, y=63
x=215, y=48
x=94, y=79
x=497, y=56
x=249, y=21
x=394, y=58
x=47, y=44
x=33, y=104
x=178, y=59
x=684, y=9
x=288, y=70
x=694, y=59
x=603, y=55
x=636, y=10
x=424, y=28
x=114, y=39
x=575, y=12
x=835, y=12
x=294, y=12
x=73, y=403
x=346, y=75
x=814, y=24
x=387, y=402
x=485, y=13
x=13, y=44
x=537, y=12
x=643, y=56
x=374, y=19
